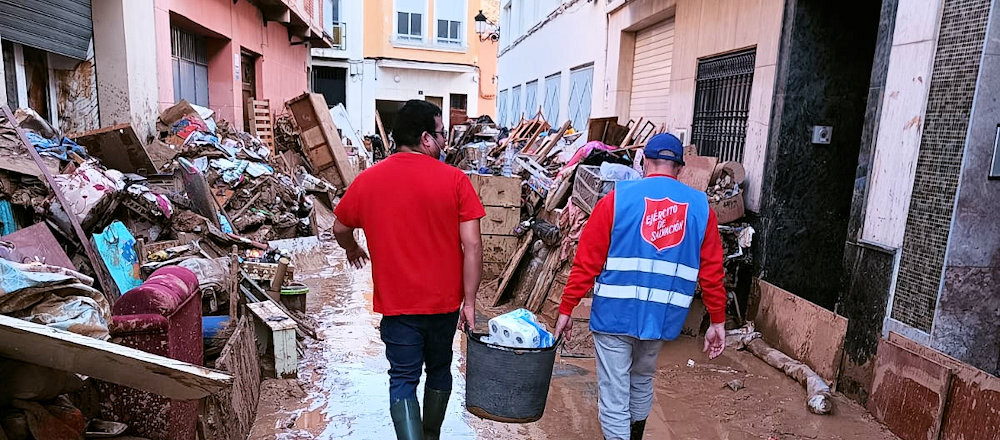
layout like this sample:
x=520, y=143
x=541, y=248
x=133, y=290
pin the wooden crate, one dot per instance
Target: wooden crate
x=497, y=190
x=500, y=220
x=261, y=124
x=588, y=187
x=320, y=141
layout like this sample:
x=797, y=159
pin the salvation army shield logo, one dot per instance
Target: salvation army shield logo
x=664, y=223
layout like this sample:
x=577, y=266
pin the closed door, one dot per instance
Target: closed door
x=654, y=50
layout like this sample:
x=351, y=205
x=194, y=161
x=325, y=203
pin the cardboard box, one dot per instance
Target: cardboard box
x=729, y=209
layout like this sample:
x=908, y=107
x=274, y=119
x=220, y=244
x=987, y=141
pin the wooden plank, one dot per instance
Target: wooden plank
x=631, y=134
x=500, y=220
x=544, y=280
x=282, y=336
x=908, y=392
x=117, y=147
x=322, y=142
x=547, y=147
x=37, y=344
x=381, y=131
x=515, y=261
x=230, y=413
x=497, y=190
x=972, y=410
x=802, y=330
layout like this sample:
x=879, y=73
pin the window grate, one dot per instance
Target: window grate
x=722, y=105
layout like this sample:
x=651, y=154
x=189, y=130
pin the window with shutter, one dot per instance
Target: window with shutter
x=551, y=106
x=581, y=82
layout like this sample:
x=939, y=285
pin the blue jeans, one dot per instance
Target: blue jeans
x=415, y=341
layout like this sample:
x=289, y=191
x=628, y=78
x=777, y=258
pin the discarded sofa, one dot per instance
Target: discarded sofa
x=162, y=316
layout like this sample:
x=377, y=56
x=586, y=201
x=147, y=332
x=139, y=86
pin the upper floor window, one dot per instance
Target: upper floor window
x=410, y=20
x=450, y=21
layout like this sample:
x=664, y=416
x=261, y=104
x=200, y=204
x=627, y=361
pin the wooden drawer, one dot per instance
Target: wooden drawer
x=500, y=220
x=497, y=190
x=498, y=248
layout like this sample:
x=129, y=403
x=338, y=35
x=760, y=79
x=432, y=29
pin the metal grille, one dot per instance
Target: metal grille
x=722, y=104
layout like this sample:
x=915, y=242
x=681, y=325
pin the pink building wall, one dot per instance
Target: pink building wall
x=280, y=67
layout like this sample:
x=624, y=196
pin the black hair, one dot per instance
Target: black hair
x=415, y=118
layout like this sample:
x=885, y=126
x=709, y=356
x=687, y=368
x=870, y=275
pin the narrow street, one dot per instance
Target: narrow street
x=342, y=387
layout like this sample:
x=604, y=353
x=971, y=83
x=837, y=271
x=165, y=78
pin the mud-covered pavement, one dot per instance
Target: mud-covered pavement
x=342, y=390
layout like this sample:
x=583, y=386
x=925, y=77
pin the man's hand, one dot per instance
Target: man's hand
x=564, y=327
x=357, y=257
x=715, y=340
x=467, y=317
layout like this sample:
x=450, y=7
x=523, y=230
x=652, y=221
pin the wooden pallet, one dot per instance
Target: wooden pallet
x=261, y=124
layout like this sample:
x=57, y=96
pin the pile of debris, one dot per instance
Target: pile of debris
x=86, y=219
x=539, y=186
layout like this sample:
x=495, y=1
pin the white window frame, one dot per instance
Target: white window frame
x=581, y=94
x=550, y=106
x=459, y=42
x=409, y=38
x=21, y=84
x=515, y=104
x=502, y=108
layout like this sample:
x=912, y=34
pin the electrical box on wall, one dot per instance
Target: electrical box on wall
x=822, y=134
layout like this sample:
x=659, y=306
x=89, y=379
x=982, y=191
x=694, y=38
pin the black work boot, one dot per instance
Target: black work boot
x=406, y=418
x=638, y=427
x=435, y=404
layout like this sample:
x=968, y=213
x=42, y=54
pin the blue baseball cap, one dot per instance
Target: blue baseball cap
x=665, y=146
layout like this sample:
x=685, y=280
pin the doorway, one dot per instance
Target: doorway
x=331, y=82
x=824, y=78
x=248, y=75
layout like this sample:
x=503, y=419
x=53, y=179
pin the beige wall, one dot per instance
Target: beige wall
x=702, y=28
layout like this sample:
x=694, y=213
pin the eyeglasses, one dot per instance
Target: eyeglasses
x=443, y=133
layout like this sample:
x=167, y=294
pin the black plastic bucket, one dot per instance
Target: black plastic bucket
x=508, y=385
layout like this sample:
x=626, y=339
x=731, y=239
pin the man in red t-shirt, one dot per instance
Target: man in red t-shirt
x=421, y=220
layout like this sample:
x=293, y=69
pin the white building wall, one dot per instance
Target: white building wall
x=570, y=35
x=908, y=81
x=351, y=57
x=403, y=81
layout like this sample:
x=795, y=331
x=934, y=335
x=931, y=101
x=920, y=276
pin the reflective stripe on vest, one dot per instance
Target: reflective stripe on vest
x=652, y=266
x=643, y=294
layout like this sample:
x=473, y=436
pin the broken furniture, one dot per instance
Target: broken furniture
x=162, y=316
x=501, y=197
x=320, y=140
x=276, y=330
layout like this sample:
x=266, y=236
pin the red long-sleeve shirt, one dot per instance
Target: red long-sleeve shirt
x=592, y=253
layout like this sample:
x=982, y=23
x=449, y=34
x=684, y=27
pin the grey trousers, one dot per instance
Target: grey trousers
x=625, y=369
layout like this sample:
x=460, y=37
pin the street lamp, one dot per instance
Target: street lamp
x=485, y=29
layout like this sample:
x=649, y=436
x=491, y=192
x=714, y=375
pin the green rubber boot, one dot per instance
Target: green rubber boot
x=435, y=404
x=406, y=418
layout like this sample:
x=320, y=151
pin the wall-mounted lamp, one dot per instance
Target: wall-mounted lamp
x=485, y=29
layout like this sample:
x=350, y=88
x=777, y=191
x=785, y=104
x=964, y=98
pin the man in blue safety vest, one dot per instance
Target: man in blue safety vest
x=647, y=244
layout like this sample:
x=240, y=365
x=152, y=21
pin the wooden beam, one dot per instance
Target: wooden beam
x=37, y=344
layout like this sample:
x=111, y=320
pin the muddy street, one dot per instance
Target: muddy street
x=342, y=387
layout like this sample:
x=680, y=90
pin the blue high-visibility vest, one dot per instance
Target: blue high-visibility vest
x=649, y=279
